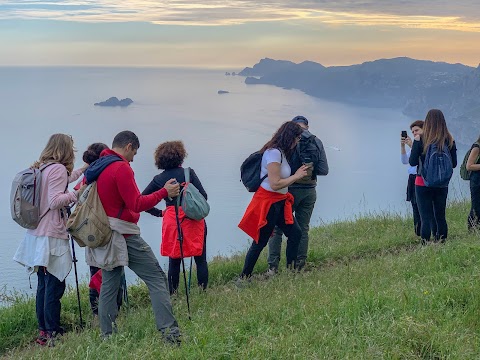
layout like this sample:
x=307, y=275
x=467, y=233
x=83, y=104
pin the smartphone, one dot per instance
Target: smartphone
x=404, y=134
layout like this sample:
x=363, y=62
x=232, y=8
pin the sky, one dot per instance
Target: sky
x=235, y=33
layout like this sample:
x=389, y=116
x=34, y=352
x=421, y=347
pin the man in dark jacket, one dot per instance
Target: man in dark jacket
x=308, y=151
x=122, y=202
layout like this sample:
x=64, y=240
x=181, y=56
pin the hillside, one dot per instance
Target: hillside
x=414, y=86
x=370, y=292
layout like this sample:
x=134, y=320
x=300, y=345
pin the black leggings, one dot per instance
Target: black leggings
x=474, y=216
x=202, y=269
x=275, y=216
x=431, y=205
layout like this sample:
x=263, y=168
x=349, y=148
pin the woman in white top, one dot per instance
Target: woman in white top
x=271, y=204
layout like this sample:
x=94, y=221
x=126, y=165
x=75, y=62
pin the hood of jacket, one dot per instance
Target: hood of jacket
x=95, y=169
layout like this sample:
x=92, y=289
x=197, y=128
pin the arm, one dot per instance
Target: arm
x=453, y=153
x=77, y=173
x=322, y=161
x=152, y=187
x=404, y=155
x=57, y=182
x=128, y=189
x=195, y=181
x=472, y=160
x=417, y=150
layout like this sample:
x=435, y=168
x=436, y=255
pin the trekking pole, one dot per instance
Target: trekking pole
x=76, y=281
x=190, y=273
x=180, y=238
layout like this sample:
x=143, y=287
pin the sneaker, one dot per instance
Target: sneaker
x=242, y=282
x=271, y=272
x=42, y=338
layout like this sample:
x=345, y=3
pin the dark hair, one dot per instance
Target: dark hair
x=435, y=131
x=124, y=138
x=418, y=123
x=93, y=152
x=169, y=155
x=284, y=138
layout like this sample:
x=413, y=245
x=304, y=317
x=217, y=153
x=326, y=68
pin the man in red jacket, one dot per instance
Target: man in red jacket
x=123, y=203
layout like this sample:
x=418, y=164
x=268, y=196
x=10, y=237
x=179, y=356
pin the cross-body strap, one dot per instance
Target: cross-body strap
x=187, y=174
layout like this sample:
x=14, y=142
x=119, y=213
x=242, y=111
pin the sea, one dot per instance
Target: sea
x=219, y=131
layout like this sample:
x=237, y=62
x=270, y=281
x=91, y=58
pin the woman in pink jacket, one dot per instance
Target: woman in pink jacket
x=46, y=250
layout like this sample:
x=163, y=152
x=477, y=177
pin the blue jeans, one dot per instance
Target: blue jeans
x=49, y=292
x=431, y=205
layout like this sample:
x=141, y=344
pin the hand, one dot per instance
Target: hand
x=172, y=187
x=301, y=172
x=84, y=167
x=408, y=141
x=417, y=137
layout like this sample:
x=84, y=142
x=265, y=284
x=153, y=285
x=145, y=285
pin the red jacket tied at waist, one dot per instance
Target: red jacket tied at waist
x=255, y=216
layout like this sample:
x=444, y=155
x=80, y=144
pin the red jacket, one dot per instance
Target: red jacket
x=193, y=235
x=255, y=216
x=118, y=190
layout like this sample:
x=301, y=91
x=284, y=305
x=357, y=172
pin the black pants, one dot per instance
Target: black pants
x=49, y=292
x=93, y=294
x=474, y=216
x=431, y=205
x=293, y=232
x=200, y=262
x=412, y=197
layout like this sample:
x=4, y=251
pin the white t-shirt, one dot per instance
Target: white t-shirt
x=271, y=156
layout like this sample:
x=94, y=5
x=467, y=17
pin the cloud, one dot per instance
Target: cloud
x=460, y=15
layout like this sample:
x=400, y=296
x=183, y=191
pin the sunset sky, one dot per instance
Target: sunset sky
x=235, y=33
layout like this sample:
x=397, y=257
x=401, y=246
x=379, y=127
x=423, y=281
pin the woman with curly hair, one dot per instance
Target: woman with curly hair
x=169, y=156
x=272, y=203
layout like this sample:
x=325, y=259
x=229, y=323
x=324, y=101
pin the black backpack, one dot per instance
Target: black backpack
x=306, y=151
x=250, y=171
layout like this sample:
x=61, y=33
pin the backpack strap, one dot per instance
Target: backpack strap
x=186, y=171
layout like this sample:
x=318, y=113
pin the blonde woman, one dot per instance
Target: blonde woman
x=46, y=250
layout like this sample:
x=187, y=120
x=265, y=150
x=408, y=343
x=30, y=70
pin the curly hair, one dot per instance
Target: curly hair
x=93, y=152
x=169, y=155
x=285, y=138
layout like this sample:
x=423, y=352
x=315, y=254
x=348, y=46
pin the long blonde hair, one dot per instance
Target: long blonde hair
x=59, y=149
x=435, y=131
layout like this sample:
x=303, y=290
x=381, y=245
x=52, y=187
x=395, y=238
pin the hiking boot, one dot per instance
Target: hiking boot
x=242, y=282
x=271, y=272
x=172, y=336
x=300, y=264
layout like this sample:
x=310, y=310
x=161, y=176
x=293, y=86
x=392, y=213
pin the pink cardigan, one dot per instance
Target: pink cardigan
x=53, y=199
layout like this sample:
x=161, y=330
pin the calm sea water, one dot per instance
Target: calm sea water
x=219, y=131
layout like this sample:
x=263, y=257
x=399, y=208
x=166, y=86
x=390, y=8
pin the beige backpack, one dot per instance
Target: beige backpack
x=88, y=224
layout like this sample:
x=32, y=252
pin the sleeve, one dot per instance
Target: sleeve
x=75, y=175
x=453, y=153
x=128, y=190
x=405, y=157
x=57, y=182
x=322, y=160
x=195, y=181
x=273, y=156
x=414, y=159
x=151, y=188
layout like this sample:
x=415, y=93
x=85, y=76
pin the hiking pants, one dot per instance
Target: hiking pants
x=143, y=262
x=275, y=217
x=474, y=216
x=49, y=292
x=93, y=294
x=426, y=197
x=304, y=202
x=202, y=269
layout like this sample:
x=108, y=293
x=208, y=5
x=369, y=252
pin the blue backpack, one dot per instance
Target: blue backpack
x=437, y=169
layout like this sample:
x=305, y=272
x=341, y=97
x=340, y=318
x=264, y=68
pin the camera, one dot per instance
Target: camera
x=404, y=134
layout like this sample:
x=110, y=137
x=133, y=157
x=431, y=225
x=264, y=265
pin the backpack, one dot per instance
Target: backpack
x=88, y=224
x=25, y=197
x=437, y=169
x=464, y=173
x=250, y=171
x=306, y=151
x=192, y=201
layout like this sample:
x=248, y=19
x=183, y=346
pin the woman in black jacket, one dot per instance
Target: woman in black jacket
x=435, y=135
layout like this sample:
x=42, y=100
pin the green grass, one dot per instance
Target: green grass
x=371, y=293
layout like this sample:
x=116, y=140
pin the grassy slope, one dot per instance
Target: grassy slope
x=372, y=293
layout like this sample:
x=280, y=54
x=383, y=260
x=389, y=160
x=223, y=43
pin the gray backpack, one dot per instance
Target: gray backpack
x=193, y=203
x=25, y=197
